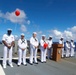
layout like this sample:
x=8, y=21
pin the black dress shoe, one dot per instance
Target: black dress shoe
x=18, y=65
x=31, y=64
x=25, y=64
x=36, y=63
x=42, y=62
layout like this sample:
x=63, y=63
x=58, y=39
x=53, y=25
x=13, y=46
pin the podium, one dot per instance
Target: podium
x=57, y=52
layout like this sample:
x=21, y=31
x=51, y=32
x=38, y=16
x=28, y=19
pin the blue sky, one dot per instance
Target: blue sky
x=49, y=17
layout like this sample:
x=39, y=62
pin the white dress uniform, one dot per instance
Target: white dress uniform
x=43, y=51
x=72, y=48
x=33, y=51
x=62, y=42
x=22, y=43
x=67, y=48
x=50, y=48
x=8, y=40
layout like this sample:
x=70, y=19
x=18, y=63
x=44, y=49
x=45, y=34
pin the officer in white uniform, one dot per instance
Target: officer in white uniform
x=43, y=50
x=67, y=48
x=61, y=41
x=22, y=44
x=49, y=50
x=8, y=41
x=33, y=48
x=72, y=45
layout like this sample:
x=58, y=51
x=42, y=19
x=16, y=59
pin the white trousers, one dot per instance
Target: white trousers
x=43, y=54
x=6, y=50
x=33, y=52
x=72, y=52
x=67, y=52
x=62, y=52
x=22, y=54
x=49, y=53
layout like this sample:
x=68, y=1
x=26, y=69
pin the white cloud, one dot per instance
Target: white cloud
x=73, y=29
x=28, y=32
x=57, y=34
x=67, y=34
x=40, y=32
x=22, y=18
x=23, y=28
x=28, y=22
x=16, y=37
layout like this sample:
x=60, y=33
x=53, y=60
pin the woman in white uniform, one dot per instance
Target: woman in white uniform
x=43, y=50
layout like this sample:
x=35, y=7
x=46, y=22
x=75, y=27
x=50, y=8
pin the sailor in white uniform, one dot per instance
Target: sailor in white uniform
x=34, y=43
x=72, y=45
x=49, y=50
x=67, y=48
x=61, y=41
x=22, y=44
x=8, y=41
x=43, y=50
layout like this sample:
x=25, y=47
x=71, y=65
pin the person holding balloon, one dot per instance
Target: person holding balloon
x=43, y=48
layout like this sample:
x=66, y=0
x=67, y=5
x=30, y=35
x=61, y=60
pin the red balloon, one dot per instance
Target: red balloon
x=17, y=12
x=45, y=45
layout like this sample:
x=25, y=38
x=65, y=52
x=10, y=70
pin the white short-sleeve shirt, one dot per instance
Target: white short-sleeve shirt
x=50, y=43
x=61, y=42
x=8, y=39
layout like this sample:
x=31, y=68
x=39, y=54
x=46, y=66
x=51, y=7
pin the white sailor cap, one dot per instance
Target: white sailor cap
x=34, y=33
x=43, y=35
x=50, y=36
x=62, y=37
x=72, y=39
x=22, y=34
x=67, y=40
x=9, y=29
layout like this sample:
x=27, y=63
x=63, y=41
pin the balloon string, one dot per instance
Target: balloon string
x=15, y=27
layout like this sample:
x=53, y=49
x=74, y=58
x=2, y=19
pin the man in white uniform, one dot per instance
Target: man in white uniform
x=49, y=47
x=8, y=41
x=61, y=41
x=33, y=48
x=67, y=48
x=43, y=50
x=72, y=45
x=22, y=44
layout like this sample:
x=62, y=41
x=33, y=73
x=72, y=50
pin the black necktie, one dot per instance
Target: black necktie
x=35, y=39
x=44, y=41
x=23, y=41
